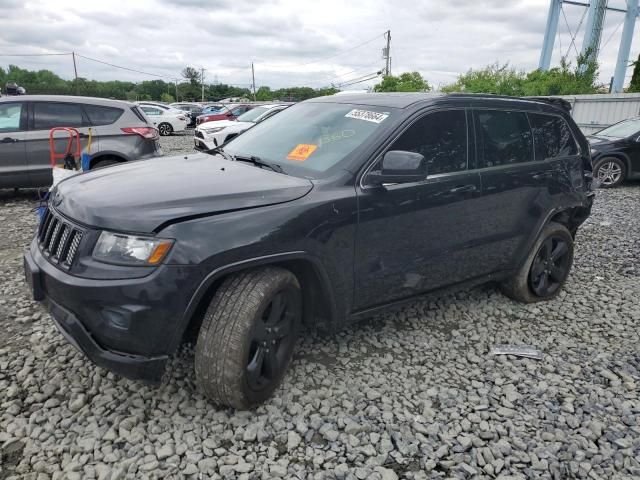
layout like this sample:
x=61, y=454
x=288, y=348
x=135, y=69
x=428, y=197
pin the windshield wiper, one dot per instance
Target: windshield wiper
x=257, y=161
x=221, y=151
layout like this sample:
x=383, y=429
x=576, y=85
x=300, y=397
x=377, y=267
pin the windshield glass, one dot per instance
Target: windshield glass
x=621, y=130
x=253, y=114
x=309, y=138
x=213, y=109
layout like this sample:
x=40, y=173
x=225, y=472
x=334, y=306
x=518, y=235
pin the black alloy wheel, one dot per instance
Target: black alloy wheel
x=550, y=266
x=273, y=339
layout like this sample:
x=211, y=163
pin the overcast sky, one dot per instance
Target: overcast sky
x=291, y=42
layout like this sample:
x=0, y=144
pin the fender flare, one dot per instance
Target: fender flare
x=218, y=273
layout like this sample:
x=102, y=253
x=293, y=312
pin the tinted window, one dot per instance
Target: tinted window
x=102, y=115
x=503, y=137
x=441, y=137
x=10, y=114
x=51, y=115
x=551, y=136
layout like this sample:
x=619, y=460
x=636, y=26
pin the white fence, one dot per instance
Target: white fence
x=595, y=112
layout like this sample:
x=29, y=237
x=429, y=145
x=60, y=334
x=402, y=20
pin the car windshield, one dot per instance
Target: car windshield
x=213, y=109
x=253, y=114
x=310, y=138
x=621, y=130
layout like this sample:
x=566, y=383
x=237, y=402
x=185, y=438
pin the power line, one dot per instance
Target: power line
x=329, y=57
x=612, y=34
x=125, y=68
x=364, y=78
x=33, y=54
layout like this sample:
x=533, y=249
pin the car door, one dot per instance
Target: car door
x=416, y=237
x=13, y=159
x=515, y=193
x=44, y=116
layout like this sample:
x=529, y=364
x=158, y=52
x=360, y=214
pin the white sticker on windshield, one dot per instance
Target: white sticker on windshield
x=367, y=115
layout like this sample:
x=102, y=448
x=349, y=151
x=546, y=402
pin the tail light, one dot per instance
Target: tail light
x=145, y=132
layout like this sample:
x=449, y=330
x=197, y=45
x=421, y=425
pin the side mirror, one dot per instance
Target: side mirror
x=399, y=166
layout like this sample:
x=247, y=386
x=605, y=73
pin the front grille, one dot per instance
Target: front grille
x=58, y=239
x=199, y=134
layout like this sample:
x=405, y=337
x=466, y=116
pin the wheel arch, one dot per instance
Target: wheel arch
x=319, y=308
x=106, y=156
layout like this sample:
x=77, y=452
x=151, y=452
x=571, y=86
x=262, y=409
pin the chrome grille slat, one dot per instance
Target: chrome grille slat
x=58, y=239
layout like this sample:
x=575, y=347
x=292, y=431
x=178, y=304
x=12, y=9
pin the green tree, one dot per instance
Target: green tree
x=406, y=82
x=264, y=94
x=167, y=98
x=634, y=85
x=495, y=78
x=192, y=75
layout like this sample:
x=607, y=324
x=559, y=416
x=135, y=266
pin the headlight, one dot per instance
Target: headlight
x=129, y=250
x=213, y=130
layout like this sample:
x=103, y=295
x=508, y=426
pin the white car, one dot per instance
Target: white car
x=209, y=135
x=166, y=121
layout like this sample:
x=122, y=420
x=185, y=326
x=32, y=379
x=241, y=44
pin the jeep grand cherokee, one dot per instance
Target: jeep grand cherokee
x=333, y=210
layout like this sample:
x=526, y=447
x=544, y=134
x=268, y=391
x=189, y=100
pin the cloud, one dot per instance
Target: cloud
x=291, y=42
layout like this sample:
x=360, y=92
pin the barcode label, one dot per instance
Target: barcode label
x=367, y=115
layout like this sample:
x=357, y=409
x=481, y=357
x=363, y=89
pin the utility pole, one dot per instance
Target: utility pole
x=253, y=81
x=75, y=70
x=386, y=54
x=176, y=80
x=202, y=82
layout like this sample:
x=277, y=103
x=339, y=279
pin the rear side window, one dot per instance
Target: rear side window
x=51, y=115
x=99, y=115
x=552, y=137
x=503, y=137
x=138, y=113
x=441, y=137
x=10, y=114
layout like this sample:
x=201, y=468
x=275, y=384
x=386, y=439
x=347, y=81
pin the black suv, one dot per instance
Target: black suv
x=616, y=152
x=326, y=213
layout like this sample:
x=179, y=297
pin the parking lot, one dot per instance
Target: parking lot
x=412, y=394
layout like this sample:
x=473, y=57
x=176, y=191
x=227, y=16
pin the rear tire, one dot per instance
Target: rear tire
x=247, y=336
x=610, y=171
x=546, y=269
x=107, y=162
x=165, y=129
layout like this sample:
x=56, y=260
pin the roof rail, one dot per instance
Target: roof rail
x=555, y=101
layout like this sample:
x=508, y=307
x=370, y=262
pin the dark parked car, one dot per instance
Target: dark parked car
x=121, y=132
x=193, y=109
x=616, y=152
x=330, y=212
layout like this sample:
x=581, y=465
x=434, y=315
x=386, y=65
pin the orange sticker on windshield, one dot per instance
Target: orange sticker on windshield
x=301, y=152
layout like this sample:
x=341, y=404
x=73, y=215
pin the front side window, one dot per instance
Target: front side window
x=52, y=115
x=10, y=114
x=441, y=137
x=552, y=137
x=503, y=137
x=309, y=139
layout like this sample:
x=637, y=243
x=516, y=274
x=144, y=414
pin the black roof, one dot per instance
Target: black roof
x=406, y=99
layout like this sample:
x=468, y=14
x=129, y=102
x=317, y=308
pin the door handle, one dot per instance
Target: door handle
x=463, y=188
x=540, y=175
x=9, y=140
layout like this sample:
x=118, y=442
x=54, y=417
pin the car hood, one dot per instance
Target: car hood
x=216, y=124
x=596, y=141
x=141, y=196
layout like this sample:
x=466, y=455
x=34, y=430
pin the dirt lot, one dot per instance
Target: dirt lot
x=413, y=394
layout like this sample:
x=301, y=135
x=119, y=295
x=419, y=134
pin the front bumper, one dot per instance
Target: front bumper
x=128, y=326
x=203, y=143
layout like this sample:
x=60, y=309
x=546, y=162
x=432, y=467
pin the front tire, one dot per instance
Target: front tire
x=610, y=171
x=247, y=336
x=165, y=129
x=107, y=162
x=546, y=269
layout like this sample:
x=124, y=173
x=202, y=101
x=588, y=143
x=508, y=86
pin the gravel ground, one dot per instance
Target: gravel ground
x=413, y=394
